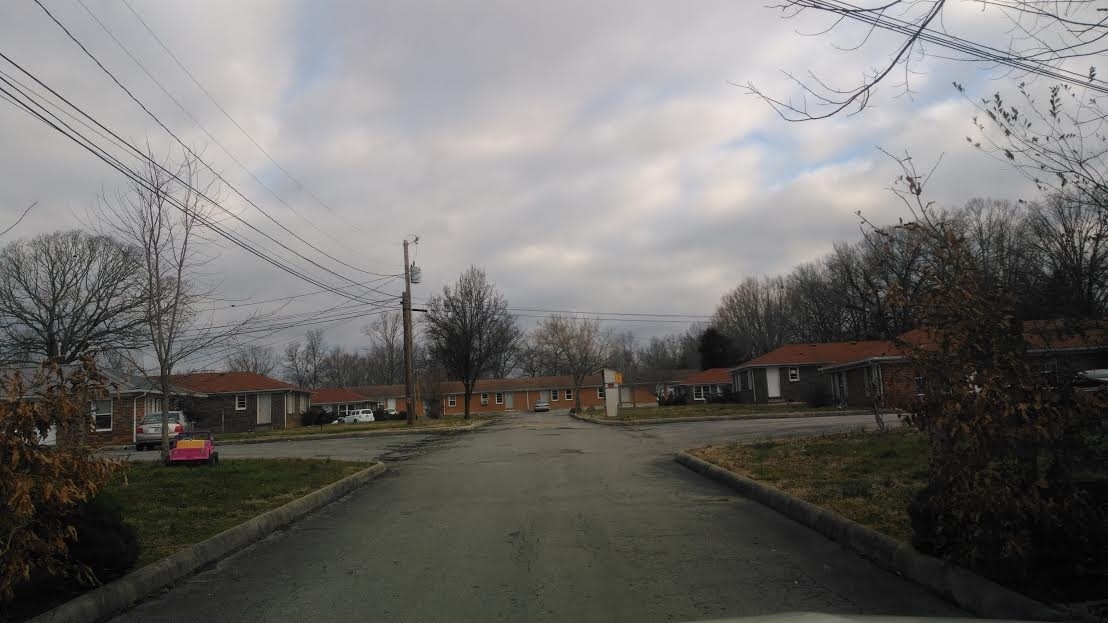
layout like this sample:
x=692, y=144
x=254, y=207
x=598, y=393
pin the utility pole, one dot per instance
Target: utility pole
x=409, y=397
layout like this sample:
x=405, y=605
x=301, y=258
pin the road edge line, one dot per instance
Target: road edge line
x=979, y=595
x=718, y=418
x=122, y=594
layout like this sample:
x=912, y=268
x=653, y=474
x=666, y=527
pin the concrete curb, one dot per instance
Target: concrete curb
x=719, y=418
x=117, y=596
x=980, y=596
x=388, y=432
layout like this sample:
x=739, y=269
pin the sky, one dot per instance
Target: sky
x=596, y=156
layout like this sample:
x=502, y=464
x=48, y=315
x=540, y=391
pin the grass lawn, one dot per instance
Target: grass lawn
x=449, y=422
x=869, y=478
x=698, y=410
x=174, y=507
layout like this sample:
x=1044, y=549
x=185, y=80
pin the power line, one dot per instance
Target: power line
x=298, y=183
x=604, y=313
x=226, y=151
x=221, y=354
x=248, y=303
x=145, y=109
x=99, y=152
x=878, y=19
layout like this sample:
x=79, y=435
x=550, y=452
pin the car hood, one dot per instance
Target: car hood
x=820, y=617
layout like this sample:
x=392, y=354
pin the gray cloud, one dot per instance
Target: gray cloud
x=589, y=155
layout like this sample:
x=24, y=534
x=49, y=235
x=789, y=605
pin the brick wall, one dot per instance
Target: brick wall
x=522, y=400
x=811, y=380
x=124, y=414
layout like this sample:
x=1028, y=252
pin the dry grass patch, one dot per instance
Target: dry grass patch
x=869, y=478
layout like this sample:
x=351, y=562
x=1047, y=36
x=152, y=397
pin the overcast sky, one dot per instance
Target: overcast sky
x=590, y=156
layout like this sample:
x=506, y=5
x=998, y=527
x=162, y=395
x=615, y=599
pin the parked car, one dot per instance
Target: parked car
x=357, y=416
x=149, y=431
x=542, y=405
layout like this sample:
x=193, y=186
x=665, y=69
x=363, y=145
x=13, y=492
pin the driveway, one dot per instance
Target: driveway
x=544, y=518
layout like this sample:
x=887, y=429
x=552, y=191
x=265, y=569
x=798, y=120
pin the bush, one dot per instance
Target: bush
x=726, y=397
x=105, y=548
x=106, y=544
x=677, y=398
x=40, y=485
x=316, y=416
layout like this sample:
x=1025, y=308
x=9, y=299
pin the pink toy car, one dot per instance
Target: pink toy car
x=193, y=448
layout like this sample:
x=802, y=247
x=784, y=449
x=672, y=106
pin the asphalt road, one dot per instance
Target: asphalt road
x=544, y=518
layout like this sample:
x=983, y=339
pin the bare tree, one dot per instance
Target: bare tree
x=662, y=353
x=505, y=364
x=468, y=326
x=163, y=215
x=534, y=358
x=816, y=309
x=66, y=294
x=1070, y=238
x=623, y=355
x=258, y=359
x=1043, y=36
x=582, y=346
x=386, y=348
x=347, y=369
x=304, y=362
x=754, y=314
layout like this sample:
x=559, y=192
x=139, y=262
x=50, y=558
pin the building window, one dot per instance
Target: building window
x=484, y=399
x=499, y=398
x=553, y=395
x=240, y=402
x=698, y=392
x=794, y=375
x=745, y=380
x=600, y=393
x=102, y=414
x=452, y=401
x=920, y=384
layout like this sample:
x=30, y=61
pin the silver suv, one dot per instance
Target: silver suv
x=149, y=431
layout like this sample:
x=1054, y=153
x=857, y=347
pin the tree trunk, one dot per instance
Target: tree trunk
x=577, y=396
x=164, y=383
x=468, y=395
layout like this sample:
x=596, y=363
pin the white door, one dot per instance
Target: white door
x=773, y=382
x=265, y=414
x=625, y=395
x=391, y=403
x=509, y=401
x=544, y=395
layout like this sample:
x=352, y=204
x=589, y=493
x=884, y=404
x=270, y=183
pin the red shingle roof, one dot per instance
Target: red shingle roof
x=711, y=376
x=375, y=392
x=333, y=395
x=229, y=382
x=824, y=354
